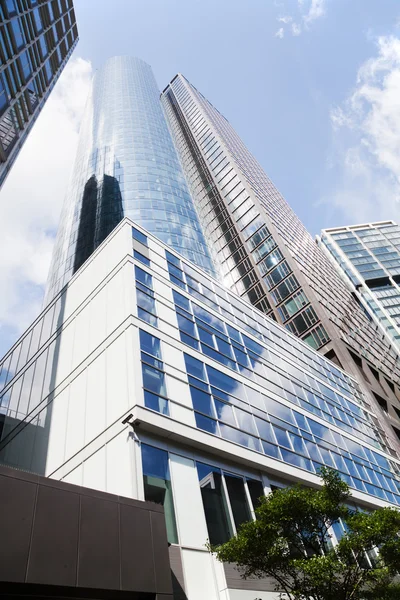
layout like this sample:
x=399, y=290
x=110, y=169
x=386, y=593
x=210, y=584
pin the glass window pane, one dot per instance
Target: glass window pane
x=256, y=492
x=153, y=380
x=195, y=367
x=202, y=401
x=214, y=502
x=157, y=485
x=225, y=412
x=237, y=496
x=150, y=344
x=156, y=403
x=139, y=236
x=141, y=257
x=206, y=424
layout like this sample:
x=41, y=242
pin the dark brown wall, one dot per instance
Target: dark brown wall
x=56, y=534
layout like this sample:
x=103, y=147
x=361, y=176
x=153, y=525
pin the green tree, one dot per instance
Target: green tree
x=290, y=542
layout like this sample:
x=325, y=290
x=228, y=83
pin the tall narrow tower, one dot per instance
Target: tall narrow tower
x=264, y=251
x=126, y=165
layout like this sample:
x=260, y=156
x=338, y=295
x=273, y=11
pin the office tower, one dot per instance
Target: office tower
x=36, y=41
x=265, y=253
x=146, y=378
x=126, y=165
x=368, y=259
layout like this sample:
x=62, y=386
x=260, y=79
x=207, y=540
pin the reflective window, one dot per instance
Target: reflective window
x=157, y=486
x=256, y=492
x=17, y=31
x=143, y=259
x=25, y=64
x=215, y=504
x=238, y=499
x=150, y=344
x=139, y=236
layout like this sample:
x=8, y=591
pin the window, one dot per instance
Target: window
x=256, y=492
x=145, y=296
x=37, y=19
x=48, y=70
x=3, y=97
x=157, y=486
x=25, y=64
x=139, y=236
x=143, y=259
x=238, y=500
x=16, y=28
x=215, y=504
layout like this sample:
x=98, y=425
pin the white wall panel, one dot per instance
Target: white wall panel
x=95, y=417
x=188, y=503
x=56, y=444
x=94, y=471
x=117, y=400
x=174, y=357
x=179, y=391
x=63, y=356
x=182, y=414
x=75, y=477
x=75, y=425
x=81, y=337
x=98, y=312
x=199, y=575
x=116, y=312
x=121, y=479
x=163, y=290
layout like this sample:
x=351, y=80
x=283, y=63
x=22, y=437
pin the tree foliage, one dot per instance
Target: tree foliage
x=290, y=541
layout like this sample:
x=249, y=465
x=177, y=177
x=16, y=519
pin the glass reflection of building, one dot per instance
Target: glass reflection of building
x=36, y=41
x=126, y=165
x=264, y=252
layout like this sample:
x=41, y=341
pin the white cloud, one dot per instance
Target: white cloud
x=308, y=12
x=316, y=11
x=296, y=29
x=285, y=19
x=280, y=33
x=31, y=201
x=367, y=140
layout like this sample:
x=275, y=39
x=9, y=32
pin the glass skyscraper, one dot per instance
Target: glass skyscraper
x=36, y=41
x=263, y=250
x=126, y=165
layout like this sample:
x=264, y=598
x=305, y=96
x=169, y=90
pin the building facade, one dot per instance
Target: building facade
x=36, y=41
x=126, y=165
x=264, y=252
x=368, y=258
x=146, y=378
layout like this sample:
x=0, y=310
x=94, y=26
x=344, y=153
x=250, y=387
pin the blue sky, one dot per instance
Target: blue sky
x=311, y=86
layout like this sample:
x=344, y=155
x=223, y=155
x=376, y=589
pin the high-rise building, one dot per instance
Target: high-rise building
x=265, y=253
x=36, y=41
x=367, y=257
x=146, y=377
x=126, y=165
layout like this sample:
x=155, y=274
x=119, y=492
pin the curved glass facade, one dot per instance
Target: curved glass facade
x=126, y=165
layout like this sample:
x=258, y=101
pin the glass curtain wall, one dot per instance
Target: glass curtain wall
x=126, y=165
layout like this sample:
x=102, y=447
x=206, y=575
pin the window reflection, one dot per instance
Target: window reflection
x=215, y=505
x=157, y=486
